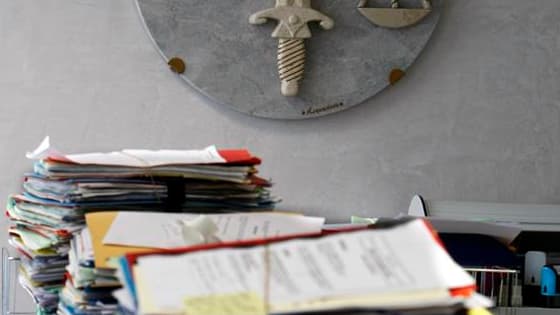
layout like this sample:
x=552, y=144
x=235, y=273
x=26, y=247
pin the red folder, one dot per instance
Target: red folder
x=132, y=258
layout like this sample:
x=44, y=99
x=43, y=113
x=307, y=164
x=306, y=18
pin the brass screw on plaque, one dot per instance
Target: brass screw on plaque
x=395, y=76
x=177, y=65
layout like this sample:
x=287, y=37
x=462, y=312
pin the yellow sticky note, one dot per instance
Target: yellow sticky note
x=479, y=311
x=247, y=303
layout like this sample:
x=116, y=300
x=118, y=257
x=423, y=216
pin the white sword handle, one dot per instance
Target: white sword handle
x=291, y=64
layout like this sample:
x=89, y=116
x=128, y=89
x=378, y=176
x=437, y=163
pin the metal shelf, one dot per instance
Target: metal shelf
x=10, y=266
x=525, y=311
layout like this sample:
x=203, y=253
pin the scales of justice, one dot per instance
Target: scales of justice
x=290, y=59
x=293, y=17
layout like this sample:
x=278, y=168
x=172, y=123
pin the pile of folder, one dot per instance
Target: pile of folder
x=87, y=290
x=208, y=180
x=41, y=233
x=92, y=276
x=63, y=188
x=396, y=267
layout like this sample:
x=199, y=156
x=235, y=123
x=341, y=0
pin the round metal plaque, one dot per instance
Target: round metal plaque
x=234, y=63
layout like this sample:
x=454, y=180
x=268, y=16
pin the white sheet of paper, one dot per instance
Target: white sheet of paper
x=165, y=230
x=306, y=273
x=135, y=158
x=147, y=158
x=203, y=273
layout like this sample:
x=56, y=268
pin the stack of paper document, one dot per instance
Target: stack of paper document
x=91, y=276
x=64, y=187
x=41, y=234
x=197, y=180
x=398, y=268
x=88, y=290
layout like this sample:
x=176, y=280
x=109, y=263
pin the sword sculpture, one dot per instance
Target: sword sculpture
x=292, y=30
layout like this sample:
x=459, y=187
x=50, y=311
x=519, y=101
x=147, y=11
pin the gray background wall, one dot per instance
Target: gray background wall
x=476, y=118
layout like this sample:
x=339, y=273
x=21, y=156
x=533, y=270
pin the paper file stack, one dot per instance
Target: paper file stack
x=91, y=279
x=41, y=233
x=64, y=187
x=208, y=180
x=397, y=267
x=87, y=290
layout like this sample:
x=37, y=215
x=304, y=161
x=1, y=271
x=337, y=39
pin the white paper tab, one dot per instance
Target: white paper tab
x=44, y=150
x=133, y=158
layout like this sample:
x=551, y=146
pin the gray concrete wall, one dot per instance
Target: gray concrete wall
x=476, y=118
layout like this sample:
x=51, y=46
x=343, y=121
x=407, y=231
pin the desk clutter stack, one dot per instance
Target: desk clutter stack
x=192, y=232
x=63, y=188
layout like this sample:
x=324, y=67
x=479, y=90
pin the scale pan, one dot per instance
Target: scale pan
x=394, y=18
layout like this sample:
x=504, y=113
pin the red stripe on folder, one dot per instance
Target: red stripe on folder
x=61, y=159
x=68, y=277
x=434, y=233
x=455, y=292
x=239, y=157
x=463, y=292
